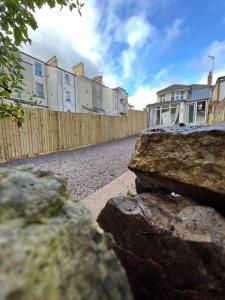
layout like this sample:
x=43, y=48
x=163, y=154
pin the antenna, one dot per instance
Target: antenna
x=213, y=59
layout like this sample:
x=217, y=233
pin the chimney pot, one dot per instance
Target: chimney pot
x=98, y=78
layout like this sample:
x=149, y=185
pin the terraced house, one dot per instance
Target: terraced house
x=180, y=103
x=58, y=89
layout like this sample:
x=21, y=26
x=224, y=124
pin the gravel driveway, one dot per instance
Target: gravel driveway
x=86, y=169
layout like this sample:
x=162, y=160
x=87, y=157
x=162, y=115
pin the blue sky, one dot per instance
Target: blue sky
x=142, y=45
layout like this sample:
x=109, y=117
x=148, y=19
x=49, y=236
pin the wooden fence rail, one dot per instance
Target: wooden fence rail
x=46, y=131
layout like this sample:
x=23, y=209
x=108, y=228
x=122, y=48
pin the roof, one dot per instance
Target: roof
x=200, y=86
x=176, y=87
x=220, y=78
x=201, y=93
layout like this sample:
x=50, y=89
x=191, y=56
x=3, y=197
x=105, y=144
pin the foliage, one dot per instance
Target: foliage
x=16, y=17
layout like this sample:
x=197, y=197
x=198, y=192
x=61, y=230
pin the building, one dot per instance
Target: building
x=181, y=103
x=53, y=87
x=219, y=89
x=61, y=91
x=122, y=100
x=35, y=81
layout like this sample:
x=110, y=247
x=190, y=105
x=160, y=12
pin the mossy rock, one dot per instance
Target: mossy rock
x=50, y=249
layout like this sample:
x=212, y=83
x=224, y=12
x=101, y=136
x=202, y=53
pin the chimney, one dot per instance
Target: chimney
x=98, y=78
x=78, y=69
x=53, y=61
x=210, y=77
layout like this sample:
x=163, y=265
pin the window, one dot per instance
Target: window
x=68, y=110
x=39, y=90
x=179, y=95
x=165, y=115
x=175, y=111
x=172, y=96
x=163, y=98
x=19, y=95
x=190, y=113
x=67, y=96
x=67, y=79
x=201, y=112
x=38, y=69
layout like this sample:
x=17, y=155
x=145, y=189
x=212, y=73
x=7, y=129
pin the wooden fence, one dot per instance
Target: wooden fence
x=46, y=131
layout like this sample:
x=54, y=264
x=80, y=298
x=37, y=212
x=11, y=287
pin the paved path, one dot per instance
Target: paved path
x=86, y=169
x=123, y=185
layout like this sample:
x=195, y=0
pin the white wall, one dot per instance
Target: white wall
x=68, y=87
x=30, y=77
x=57, y=88
x=83, y=94
x=222, y=90
x=107, y=101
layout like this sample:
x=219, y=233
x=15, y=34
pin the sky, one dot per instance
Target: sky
x=142, y=46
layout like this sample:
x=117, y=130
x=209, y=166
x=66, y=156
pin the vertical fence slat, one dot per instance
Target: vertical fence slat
x=46, y=131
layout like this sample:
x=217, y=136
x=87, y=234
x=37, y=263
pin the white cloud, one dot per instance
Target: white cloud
x=137, y=31
x=204, y=64
x=67, y=35
x=143, y=96
x=173, y=32
x=90, y=39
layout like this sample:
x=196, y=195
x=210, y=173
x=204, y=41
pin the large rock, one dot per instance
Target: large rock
x=188, y=160
x=49, y=247
x=171, y=248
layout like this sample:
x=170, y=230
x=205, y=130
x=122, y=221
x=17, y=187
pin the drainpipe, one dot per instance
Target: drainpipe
x=62, y=89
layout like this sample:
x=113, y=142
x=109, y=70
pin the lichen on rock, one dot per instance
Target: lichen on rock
x=50, y=249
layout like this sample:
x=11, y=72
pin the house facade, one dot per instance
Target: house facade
x=58, y=89
x=180, y=103
x=219, y=90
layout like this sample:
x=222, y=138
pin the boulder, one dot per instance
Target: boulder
x=188, y=160
x=171, y=248
x=50, y=249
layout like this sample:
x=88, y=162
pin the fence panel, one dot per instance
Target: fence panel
x=46, y=131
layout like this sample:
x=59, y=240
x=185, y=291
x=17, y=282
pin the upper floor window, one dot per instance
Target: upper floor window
x=38, y=69
x=67, y=78
x=172, y=96
x=67, y=96
x=39, y=90
x=163, y=98
x=179, y=95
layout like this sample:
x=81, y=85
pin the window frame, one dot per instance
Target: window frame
x=67, y=78
x=172, y=98
x=35, y=69
x=68, y=99
x=39, y=95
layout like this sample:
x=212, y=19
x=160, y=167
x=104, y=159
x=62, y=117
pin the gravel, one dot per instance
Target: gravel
x=86, y=169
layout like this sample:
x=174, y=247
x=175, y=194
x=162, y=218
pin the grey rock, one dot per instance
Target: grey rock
x=49, y=247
